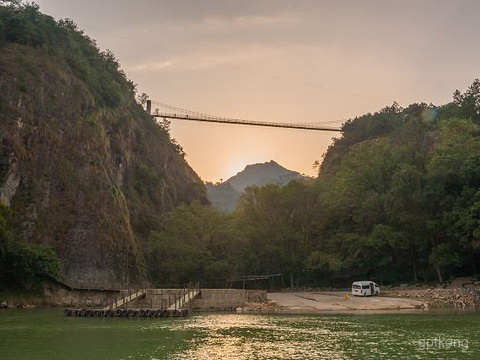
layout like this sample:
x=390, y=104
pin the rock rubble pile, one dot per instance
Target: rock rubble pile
x=440, y=298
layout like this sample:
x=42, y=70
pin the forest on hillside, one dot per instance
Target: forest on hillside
x=397, y=200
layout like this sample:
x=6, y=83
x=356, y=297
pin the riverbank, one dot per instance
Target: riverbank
x=402, y=298
x=23, y=299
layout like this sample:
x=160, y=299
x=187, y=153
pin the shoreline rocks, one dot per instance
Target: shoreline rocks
x=438, y=298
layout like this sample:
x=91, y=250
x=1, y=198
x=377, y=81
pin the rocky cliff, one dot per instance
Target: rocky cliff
x=82, y=166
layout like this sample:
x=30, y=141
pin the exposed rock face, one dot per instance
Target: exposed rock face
x=88, y=180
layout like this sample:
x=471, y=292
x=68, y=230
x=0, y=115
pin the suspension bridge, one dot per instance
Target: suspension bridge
x=171, y=112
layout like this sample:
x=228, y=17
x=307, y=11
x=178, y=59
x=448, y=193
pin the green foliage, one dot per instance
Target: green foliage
x=147, y=179
x=23, y=264
x=282, y=226
x=469, y=101
x=22, y=23
x=406, y=201
x=196, y=243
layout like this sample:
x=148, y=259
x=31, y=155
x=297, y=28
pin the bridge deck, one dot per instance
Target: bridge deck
x=298, y=126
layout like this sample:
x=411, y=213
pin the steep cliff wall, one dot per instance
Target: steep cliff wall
x=88, y=177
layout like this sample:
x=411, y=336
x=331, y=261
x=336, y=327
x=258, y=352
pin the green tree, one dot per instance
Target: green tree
x=454, y=179
x=469, y=101
x=197, y=243
x=23, y=264
x=281, y=224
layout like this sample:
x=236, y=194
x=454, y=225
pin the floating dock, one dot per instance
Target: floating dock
x=127, y=313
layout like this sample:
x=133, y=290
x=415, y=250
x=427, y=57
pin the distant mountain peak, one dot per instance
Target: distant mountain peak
x=269, y=167
x=261, y=174
x=225, y=195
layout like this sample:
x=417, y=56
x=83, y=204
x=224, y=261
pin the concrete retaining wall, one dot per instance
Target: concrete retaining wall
x=226, y=299
x=209, y=299
x=57, y=295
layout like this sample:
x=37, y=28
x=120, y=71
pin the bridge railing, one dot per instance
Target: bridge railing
x=171, y=112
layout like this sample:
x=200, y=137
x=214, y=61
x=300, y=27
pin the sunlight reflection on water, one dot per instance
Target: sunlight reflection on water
x=297, y=337
x=268, y=337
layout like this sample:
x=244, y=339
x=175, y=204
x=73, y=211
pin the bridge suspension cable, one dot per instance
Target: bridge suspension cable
x=171, y=112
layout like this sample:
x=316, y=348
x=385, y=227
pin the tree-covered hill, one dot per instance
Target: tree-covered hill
x=397, y=199
x=84, y=171
x=402, y=188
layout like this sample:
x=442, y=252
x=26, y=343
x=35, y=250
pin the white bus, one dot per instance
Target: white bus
x=365, y=288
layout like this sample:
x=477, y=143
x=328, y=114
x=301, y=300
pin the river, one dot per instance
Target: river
x=47, y=334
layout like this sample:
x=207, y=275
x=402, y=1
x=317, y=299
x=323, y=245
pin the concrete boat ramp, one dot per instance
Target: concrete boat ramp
x=339, y=302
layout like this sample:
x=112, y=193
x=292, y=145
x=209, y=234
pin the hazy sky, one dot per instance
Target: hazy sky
x=281, y=61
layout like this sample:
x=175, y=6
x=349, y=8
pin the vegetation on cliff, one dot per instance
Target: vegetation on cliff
x=21, y=263
x=83, y=169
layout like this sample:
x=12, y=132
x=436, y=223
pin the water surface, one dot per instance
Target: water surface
x=47, y=334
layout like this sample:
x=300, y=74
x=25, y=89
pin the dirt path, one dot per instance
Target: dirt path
x=335, y=301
